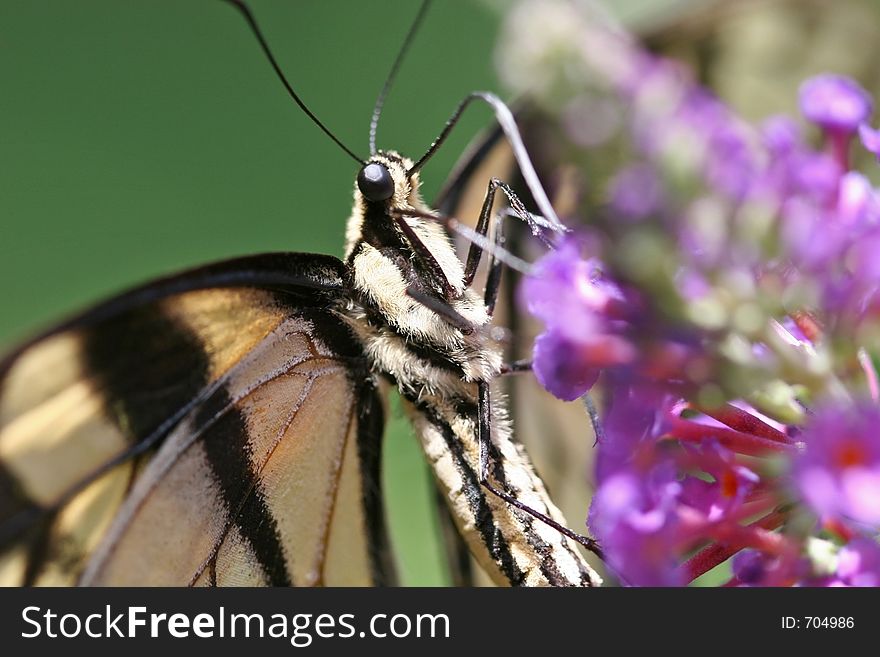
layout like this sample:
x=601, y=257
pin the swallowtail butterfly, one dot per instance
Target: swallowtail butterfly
x=222, y=426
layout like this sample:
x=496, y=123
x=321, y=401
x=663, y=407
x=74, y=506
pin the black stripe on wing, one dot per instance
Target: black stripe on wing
x=370, y=417
x=229, y=455
x=148, y=368
x=309, y=277
x=371, y=424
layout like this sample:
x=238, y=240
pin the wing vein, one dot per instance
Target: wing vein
x=334, y=494
x=256, y=477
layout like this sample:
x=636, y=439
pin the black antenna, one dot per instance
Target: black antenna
x=380, y=101
x=249, y=17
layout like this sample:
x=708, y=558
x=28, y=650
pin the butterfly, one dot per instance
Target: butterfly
x=223, y=426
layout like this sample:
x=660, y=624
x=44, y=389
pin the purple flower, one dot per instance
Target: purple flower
x=565, y=292
x=838, y=474
x=732, y=166
x=836, y=103
x=858, y=563
x=870, y=139
x=634, y=517
x=692, y=127
x=780, y=135
x=856, y=203
x=717, y=499
x=634, y=420
x=750, y=567
x=634, y=512
x=572, y=299
x=781, y=139
x=636, y=192
x=831, y=246
x=562, y=367
x=816, y=176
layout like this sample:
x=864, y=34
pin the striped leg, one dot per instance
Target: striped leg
x=484, y=433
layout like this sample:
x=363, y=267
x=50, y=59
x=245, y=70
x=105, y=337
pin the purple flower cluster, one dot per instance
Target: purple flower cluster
x=728, y=308
x=646, y=512
x=675, y=478
x=672, y=480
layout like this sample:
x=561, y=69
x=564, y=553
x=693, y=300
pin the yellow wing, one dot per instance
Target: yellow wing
x=216, y=427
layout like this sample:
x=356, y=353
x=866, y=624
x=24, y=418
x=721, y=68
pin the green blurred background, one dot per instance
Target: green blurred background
x=141, y=137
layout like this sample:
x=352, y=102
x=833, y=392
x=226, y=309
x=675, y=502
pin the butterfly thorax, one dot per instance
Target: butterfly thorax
x=403, y=338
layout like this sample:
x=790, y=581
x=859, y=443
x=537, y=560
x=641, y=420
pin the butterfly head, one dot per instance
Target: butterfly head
x=384, y=183
x=385, y=180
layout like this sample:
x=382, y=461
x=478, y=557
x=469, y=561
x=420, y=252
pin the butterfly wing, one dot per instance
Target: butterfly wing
x=216, y=427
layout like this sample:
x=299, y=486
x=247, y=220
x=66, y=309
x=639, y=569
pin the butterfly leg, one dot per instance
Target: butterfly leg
x=517, y=208
x=490, y=296
x=442, y=308
x=484, y=421
x=493, y=280
x=516, y=367
x=484, y=437
x=593, y=414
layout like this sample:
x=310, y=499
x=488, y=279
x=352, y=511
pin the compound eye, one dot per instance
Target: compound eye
x=375, y=182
